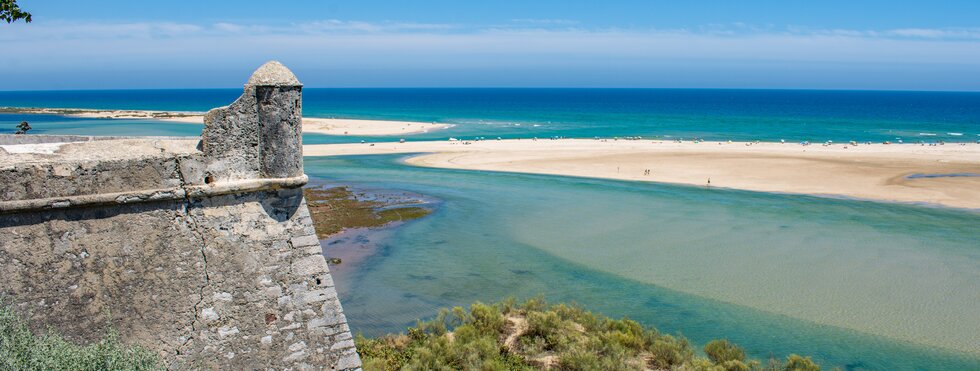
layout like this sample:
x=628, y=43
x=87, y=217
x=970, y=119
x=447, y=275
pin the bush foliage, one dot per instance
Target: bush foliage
x=533, y=335
x=20, y=349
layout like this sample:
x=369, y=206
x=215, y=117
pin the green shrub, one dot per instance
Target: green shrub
x=385, y=353
x=589, y=321
x=487, y=318
x=669, y=351
x=537, y=304
x=561, y=336
x=630, y=334
x=722, y=350
x=20, y=349
x=734, y=365
x=550, y=327
x=589, y=359
x=798, y=363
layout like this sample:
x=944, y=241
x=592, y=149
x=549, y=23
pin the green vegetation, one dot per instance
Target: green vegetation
x=338, y=208
x=798, y=363
x=10, y=12
x=533, y=335
x=22, y=350
x=720, y=351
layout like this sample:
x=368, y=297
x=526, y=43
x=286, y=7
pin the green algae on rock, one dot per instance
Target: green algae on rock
x=338, y=208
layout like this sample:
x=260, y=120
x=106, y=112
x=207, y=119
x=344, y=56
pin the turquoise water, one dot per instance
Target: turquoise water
x=51, y=124
x=859, y=285
x=768, y=115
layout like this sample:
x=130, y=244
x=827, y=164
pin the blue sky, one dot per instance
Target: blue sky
x=829, y=44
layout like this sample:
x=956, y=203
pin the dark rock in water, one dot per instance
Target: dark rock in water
x=23, y=128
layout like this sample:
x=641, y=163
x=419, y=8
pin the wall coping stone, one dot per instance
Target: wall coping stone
x=152, y=195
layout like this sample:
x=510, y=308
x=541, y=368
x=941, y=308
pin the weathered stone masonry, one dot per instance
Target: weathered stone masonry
x=202, y=250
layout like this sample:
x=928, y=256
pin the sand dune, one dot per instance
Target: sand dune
x=874, y=172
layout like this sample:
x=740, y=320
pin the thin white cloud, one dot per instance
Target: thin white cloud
x=340, y=26
x=69, y=30
x=355, y=40
x=950, y=34
x=48, y=48
x=545, y=21
x=938, y=33
x=228, y=27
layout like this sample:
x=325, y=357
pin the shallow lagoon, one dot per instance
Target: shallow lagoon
x=857, y=284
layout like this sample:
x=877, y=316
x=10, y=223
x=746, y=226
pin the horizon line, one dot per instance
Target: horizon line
x=518, y=88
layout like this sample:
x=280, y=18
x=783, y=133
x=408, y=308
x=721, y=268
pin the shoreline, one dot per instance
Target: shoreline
x=326, y=126
x=945, y=175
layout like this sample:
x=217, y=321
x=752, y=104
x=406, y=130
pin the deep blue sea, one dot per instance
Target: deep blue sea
x=740, y=115
x=856, y=284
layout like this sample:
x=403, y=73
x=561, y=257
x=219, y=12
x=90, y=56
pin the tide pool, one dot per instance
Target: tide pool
x=856, y=284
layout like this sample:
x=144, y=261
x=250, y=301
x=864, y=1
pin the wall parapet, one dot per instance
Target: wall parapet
x=154, y=195
x=16, y=139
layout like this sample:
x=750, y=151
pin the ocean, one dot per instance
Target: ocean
x=856, y=284
x=740, y=115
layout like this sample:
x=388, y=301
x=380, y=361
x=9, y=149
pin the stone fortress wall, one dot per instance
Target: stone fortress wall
x=200, y=249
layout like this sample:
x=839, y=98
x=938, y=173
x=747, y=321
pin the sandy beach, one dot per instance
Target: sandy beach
x=346, y=126
x=898, y=173
x=328, y=126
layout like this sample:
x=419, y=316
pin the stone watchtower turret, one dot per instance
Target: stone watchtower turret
x=202, y=250
x=260, y=135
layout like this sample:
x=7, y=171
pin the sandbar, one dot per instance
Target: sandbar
x=946, y=175
x=328, y=126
